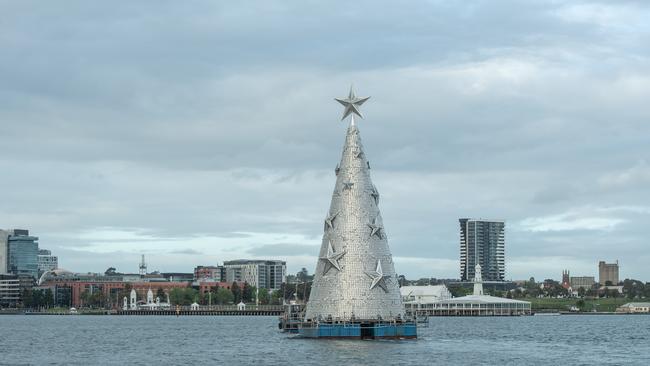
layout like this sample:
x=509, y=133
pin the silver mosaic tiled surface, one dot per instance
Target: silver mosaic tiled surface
x=347, y=279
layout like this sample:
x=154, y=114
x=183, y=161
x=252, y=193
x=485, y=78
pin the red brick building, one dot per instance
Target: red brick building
x=114, y=288
x=113, y=291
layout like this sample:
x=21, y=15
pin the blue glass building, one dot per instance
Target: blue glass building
x=23, y=253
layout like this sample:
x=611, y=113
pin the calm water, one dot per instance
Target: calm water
x=164, y=340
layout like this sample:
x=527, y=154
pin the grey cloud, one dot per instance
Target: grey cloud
x=186, y=251
x=272, y=250
x=210, y=120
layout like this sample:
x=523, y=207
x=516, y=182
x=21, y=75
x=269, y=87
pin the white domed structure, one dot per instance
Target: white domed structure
x=54, y=274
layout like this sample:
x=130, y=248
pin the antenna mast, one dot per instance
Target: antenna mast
x=143, y=267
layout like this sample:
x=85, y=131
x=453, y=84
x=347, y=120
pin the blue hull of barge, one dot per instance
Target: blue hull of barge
x=360, y=331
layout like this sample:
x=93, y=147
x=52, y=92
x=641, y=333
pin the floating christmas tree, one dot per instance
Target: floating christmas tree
x=355, y=276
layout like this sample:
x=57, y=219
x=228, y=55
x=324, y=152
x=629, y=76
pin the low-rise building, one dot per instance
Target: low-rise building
x=585, y=282
x=9, y=290
x=437, y=301
x=479, y=304
x=73, y=285
x=618, y=289
x=178, y=276
x=210, y=273
x=421, y=299
x=268, y=274
x=634, y=307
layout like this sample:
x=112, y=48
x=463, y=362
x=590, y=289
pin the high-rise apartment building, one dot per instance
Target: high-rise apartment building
x=46, y=261
x=268, y=274
x=482, y=242
x=4, y=252
x=608, y=272
x=23, y=253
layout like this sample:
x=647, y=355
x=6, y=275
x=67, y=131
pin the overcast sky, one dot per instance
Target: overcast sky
x=201, y=131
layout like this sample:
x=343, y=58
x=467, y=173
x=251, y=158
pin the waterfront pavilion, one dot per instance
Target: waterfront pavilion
x=419, y=300
x=481, y=305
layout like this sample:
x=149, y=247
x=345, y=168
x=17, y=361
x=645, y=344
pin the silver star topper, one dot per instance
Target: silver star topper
x=352, y=104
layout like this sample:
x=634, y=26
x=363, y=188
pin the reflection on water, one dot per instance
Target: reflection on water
x=143, y=340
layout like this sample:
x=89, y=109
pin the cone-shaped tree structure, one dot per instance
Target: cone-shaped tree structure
x=355, y=275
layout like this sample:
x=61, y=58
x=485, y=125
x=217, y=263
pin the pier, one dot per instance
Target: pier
x=268, y=311
x=219, y=310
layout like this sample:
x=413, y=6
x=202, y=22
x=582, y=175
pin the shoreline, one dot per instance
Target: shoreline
x=255, y=313
x=151, y=312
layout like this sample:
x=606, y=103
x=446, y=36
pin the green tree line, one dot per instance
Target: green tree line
x=177, y=296
x=224, y=296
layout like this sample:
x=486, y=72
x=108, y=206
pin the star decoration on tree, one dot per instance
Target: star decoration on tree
x=375, y=194
x=375, y=229
x=351, y=104
x=329, y=221
x=378, y=277
x=332, y=258
x=347, y=185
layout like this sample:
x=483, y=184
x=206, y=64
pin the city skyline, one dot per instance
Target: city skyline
x=47, y=262
x=217, y=143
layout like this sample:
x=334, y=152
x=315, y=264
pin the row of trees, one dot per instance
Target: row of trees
x=96, y=298
x=38, y=298
x=632, y=289
x=93, y=299
x=224, y=296
x=245, y=293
